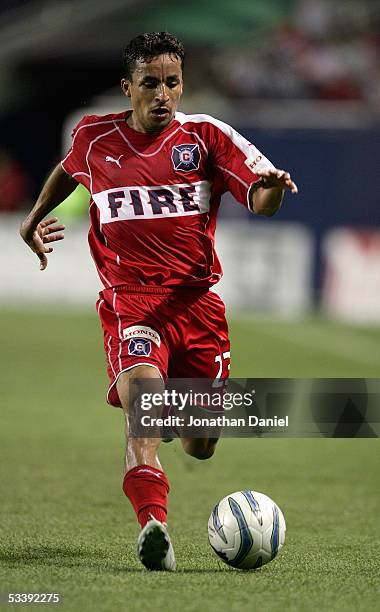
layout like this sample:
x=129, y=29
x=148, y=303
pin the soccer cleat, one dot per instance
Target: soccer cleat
x=154, y=548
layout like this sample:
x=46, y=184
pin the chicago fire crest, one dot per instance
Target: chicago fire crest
x=186, y=157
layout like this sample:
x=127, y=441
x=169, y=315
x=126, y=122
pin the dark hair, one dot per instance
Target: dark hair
x=147, y=46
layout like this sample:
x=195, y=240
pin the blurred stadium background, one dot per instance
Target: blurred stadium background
x=301, y=79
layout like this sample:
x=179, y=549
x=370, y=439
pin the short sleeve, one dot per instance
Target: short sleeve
x=75, y=161
x=235, y=159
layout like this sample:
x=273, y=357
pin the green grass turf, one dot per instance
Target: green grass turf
x=66, y=526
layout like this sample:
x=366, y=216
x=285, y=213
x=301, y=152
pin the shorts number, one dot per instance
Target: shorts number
x=222, y=374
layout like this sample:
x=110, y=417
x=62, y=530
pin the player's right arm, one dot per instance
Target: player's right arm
x=37, y=232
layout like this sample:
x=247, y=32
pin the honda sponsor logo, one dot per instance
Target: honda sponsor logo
x=252, y=163
x=142, y=331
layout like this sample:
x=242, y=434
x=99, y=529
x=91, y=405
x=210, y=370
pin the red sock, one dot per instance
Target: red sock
x=147, y=489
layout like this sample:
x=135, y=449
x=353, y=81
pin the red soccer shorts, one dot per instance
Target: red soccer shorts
x=181, y=332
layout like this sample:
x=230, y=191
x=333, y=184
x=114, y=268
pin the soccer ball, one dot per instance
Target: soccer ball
x=246, y=529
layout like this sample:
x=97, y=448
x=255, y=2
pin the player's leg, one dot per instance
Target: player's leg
x=139, y=451
x=206, y=356
x=201, y=443
x=136, y=349
x=200, y=448
x=145, y=483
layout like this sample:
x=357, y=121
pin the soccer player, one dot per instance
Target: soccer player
x=155, y=177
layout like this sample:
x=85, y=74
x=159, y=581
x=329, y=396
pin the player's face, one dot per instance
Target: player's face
x=155, y=90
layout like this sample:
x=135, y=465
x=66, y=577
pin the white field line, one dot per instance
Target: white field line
x=342, y=344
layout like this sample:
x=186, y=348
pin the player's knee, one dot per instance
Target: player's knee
x=204, y=453
x=143, y=372
x=200, y=449
x=136, y=381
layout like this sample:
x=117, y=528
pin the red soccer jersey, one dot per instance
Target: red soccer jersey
x=155, y=198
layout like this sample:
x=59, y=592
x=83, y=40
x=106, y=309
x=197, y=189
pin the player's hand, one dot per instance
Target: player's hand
x=277, y=178
x=37, y=238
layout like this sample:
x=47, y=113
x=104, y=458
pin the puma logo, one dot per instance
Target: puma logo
x=113, y=160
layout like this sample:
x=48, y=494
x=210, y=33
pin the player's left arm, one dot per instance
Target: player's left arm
x=265, y=196
x=243, y=170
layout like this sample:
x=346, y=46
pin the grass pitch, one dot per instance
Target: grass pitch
x=67, y=528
